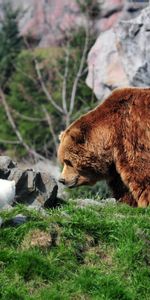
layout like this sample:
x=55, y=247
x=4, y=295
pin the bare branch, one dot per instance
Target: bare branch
x=31, y=119
x=9, y=142
x=25, y=74
x=64, y=88
x=79, y=73
x=11, y=121
x=44, y=88
x=84, y=71
x=42, y=83
x=26, y=96
x=50, y=123
x=13, y=125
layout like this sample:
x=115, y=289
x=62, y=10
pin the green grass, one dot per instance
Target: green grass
x=94, y=253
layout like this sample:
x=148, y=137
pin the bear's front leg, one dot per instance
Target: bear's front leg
x=140, y=194
x=120, y=191
x=144, y=199
x=136, y=195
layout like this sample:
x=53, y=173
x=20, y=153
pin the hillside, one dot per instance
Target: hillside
x=100, y=252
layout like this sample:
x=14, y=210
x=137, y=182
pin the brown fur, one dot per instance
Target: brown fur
x=111, y=142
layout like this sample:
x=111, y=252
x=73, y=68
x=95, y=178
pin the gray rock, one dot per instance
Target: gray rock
x=25, y=181
x=18, y=220
x=134, y=48
x=32, y=188
x=105, y=71
x=19, y=176
x=47, y=188
x=89, y=202
x=36, y=189
x=45, y=192
x=121, y=56
x=49, y=22
x=6, y=162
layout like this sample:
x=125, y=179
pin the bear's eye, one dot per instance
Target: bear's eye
x=68, y=162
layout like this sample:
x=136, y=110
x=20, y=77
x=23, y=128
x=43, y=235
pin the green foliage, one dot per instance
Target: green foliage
x=24, y=93
x=11, y=43
x=27, y=99
x=96, y=253
x=24, y=104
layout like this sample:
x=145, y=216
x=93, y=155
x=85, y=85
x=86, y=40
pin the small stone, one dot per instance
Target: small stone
x=18, y=220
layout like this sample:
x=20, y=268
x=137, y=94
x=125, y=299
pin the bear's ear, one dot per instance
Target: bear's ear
x=61, y=135
x=77, y=136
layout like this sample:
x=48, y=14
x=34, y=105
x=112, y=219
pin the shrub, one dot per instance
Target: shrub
x=29, y=104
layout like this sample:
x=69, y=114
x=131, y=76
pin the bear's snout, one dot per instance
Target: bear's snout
x=72, y=182
x=62, y=180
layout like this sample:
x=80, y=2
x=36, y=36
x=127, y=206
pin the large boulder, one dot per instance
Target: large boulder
x=121, y=56
x=37, y=189
x=133, y=39
x=105, y=69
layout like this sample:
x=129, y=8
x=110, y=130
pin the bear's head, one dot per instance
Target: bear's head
x=77, y=160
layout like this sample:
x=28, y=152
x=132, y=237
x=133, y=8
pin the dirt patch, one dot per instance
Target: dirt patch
x=37, y=238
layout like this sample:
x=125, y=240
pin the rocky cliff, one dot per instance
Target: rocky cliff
x=121, y=56
x=48, y=21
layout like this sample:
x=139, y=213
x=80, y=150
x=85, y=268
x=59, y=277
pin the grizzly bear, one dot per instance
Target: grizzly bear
x=111, y=142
